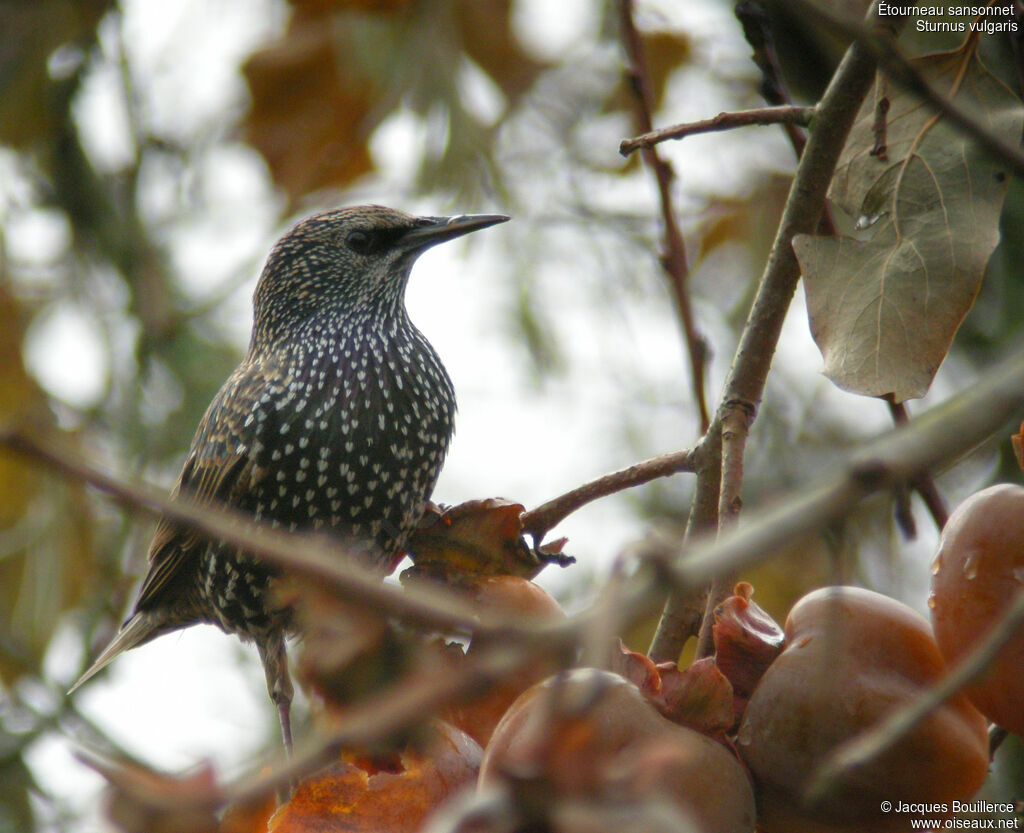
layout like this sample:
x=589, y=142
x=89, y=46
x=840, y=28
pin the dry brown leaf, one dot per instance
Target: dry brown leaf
x=665, y=52
x=310, y=116
x=699, y=697
x=343, y=66
x=638, y=668
x=1017, y=441
x=488, y=38
x=475, y=538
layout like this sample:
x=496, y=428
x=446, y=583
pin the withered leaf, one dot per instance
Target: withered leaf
x=1017, y=442
x=343, y=66
x=475, y=538
x=310, y=116
x=699, y=696
x=884, y=309
x=638, y=668
x=489, y=39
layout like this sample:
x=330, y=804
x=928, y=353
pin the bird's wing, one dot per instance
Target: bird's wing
x=220, y=470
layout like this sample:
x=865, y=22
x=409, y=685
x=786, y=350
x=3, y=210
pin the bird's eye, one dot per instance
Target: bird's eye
x=359, y=242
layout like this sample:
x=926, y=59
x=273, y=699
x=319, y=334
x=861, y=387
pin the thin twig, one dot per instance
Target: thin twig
x=758, y=33
x=924, y=485
x=673, y=257
x=539, y=521
x=873, y=742
x=788, y=114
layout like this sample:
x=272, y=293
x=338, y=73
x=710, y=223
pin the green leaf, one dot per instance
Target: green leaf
x=884, y=310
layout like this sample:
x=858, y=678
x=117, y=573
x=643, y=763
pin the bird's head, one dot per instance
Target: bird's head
x=348, y=261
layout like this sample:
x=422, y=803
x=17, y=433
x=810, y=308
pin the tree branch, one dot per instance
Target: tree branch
x=310, y=555
x=934, y=439
x=745, y=384
x=758, y=33
x=673, y=257
x=787, y=114
x=683, y=611
x=735, y=427
x=539, y=521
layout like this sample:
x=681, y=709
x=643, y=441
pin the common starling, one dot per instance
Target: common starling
x=338, y=419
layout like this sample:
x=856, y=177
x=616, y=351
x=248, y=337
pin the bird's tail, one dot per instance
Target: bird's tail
x=142, y=627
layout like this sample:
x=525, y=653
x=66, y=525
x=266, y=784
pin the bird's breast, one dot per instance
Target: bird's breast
x=355, y=442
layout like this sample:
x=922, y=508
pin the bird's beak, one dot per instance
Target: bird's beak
x=430, y=231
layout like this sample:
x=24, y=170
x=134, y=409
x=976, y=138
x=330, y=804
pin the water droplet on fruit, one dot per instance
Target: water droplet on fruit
x=743, y=736
x=937, y=564
x=970, y=567
x=932, y=601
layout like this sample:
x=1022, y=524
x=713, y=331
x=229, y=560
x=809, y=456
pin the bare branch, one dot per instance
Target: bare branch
x=673, y=258
x=743, y=389
x=539, y=521
x=787, y=114
x=758, y=32
x=683, y=611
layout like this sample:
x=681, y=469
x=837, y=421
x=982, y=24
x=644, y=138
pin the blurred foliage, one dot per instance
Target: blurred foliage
x=543, y=146
x=34, y=34
x=343, y=67
x=46, y=527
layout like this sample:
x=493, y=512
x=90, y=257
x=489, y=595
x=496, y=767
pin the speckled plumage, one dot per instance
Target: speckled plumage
x=338, y=419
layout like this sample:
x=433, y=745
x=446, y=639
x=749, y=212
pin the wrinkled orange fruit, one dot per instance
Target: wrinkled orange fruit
x=977, y=573
x=853, y=656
